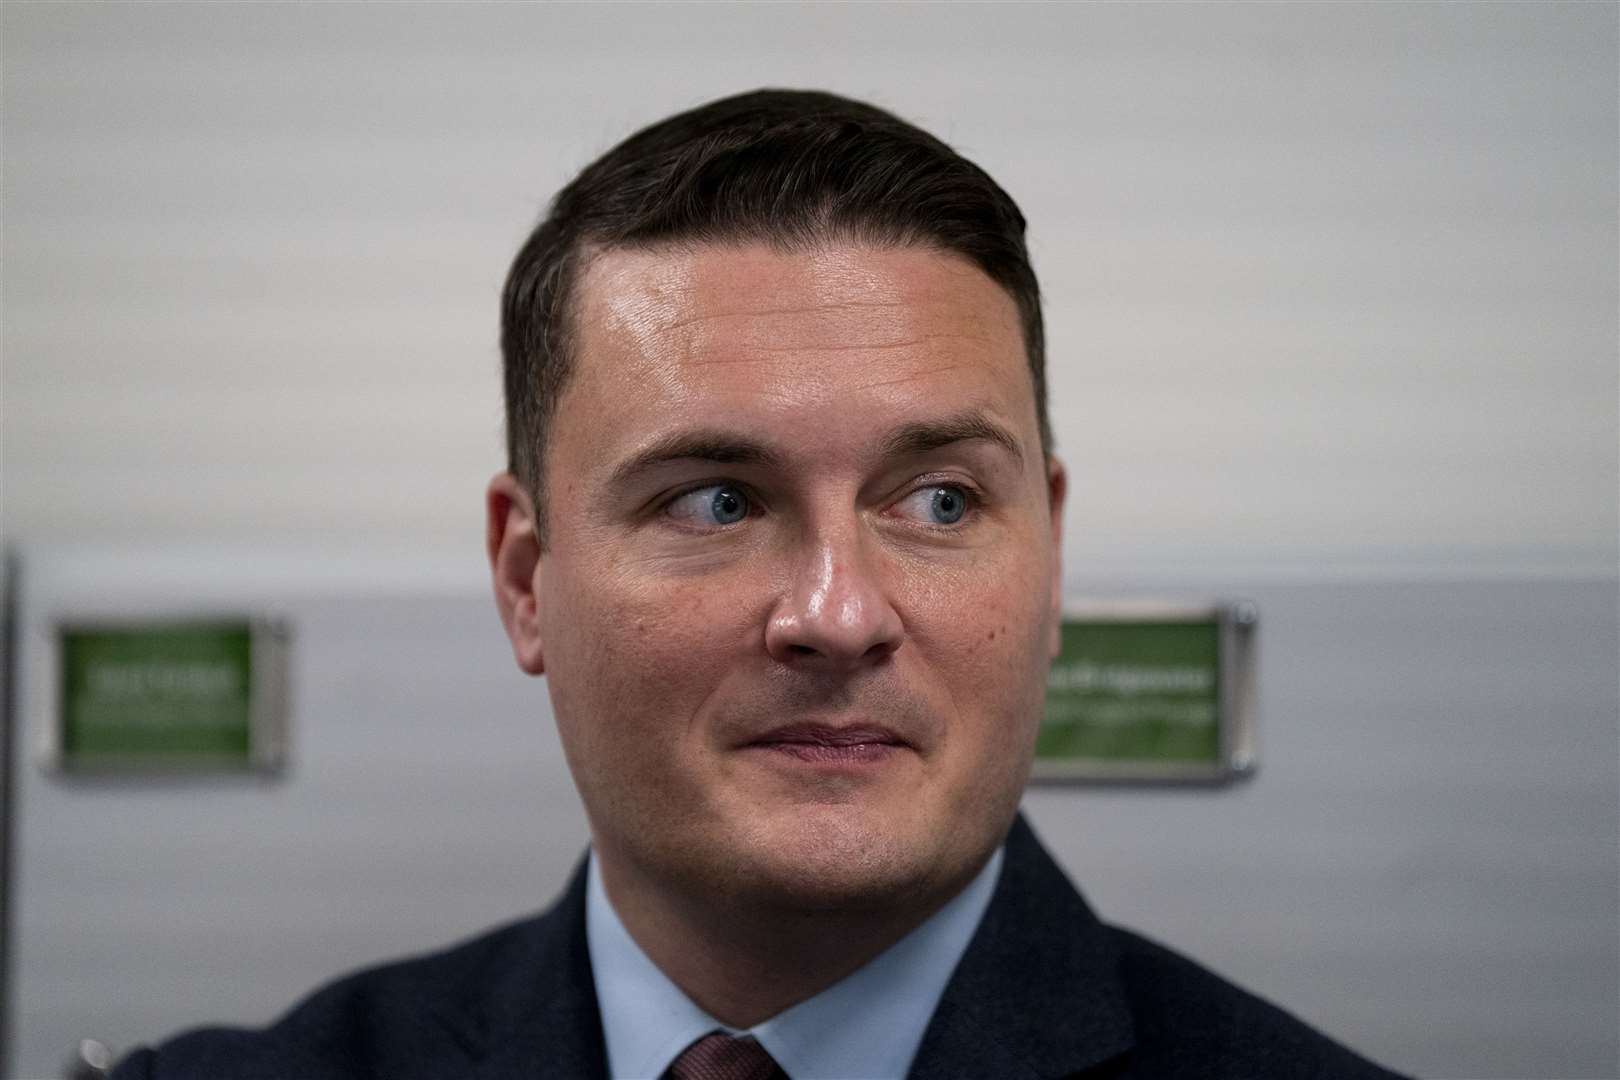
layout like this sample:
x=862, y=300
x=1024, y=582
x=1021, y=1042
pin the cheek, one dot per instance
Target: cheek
x=990, y=605
x=639, y=655
x=985, y=634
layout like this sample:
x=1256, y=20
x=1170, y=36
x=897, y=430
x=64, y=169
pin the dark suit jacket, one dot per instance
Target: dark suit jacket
x=1044, y=990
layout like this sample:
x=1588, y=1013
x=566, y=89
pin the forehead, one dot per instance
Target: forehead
x=826, y=338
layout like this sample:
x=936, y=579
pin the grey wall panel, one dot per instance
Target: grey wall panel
x=1428, y=863
x=426, y=799
x=1425, y=865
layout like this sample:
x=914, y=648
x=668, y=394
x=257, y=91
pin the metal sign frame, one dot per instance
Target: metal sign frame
x=1236, y=623
x=268, y=696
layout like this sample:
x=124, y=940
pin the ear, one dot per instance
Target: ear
x=512, y=538
x=1057, y=489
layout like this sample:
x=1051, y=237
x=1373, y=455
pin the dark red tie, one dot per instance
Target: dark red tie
x=718, y=1056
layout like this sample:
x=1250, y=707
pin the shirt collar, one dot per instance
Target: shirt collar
x=868, y=1024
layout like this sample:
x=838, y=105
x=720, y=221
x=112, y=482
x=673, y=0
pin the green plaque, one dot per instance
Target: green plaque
x=1150, y=692
x=171, y=695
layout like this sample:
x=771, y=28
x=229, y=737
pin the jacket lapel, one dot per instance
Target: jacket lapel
x=1037, y=993
x=531, y=1011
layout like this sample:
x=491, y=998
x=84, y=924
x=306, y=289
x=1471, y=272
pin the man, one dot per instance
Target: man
x=782, y=529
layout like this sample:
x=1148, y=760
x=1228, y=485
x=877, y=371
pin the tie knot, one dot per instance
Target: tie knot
x=718, y=1056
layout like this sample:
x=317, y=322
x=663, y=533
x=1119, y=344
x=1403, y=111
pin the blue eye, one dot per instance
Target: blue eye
x=717, y=504
x=942, y=504
x=947, y=505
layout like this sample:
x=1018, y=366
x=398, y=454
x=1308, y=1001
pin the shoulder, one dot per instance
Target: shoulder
x=421, y=1017
x=1190, y=1021
x=1058, y=992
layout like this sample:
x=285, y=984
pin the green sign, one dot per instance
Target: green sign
x=1134, y=691
x=163, y=694
x=1138, y=694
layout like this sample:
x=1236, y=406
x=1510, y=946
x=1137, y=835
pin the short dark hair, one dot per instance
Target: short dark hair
x=790, y=168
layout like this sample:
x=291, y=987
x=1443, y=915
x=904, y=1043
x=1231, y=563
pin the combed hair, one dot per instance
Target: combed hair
x=793, y=169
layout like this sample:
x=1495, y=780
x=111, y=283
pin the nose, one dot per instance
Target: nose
x=835, y=614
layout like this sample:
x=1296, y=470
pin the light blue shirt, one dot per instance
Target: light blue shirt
x=867, y=1026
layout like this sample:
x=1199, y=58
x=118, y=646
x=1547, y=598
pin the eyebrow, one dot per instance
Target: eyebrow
x=721, y=447
x=725, y=448
x=962, y=427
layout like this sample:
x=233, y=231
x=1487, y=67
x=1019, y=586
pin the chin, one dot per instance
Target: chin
x=820, y=858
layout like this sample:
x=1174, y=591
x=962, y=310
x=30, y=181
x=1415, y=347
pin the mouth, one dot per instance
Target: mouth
x=830, y=745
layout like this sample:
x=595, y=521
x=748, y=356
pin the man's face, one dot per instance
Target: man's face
x=800, y=586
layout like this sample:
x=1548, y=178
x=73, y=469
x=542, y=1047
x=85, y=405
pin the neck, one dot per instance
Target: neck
x=744, y=962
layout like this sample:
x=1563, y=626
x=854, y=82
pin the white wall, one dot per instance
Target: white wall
x=1328, y=287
